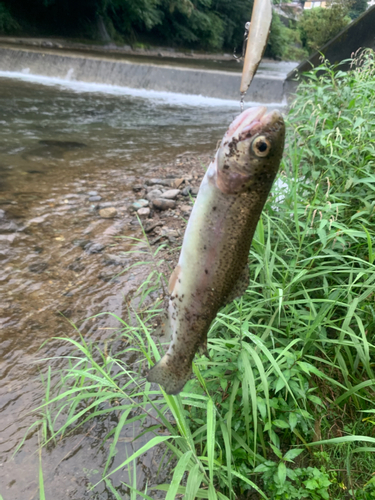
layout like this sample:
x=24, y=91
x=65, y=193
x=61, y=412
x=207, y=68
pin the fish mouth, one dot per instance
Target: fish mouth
x=249, y=120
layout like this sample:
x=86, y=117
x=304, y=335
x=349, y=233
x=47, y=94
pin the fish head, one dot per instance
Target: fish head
x=250, y=152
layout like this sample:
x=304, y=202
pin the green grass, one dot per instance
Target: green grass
x=285, y=404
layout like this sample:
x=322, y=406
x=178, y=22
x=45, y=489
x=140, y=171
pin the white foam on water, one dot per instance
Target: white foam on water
x=167, y=97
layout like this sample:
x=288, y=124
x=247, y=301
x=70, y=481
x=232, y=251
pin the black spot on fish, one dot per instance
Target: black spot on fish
x=214, y=208
x=206, y=271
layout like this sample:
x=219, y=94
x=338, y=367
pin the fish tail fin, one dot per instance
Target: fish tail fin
x=169, y=376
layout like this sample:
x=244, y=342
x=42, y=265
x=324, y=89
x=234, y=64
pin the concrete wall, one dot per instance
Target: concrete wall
x=210, y=83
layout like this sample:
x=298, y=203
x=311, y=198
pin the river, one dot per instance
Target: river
x=60, y=142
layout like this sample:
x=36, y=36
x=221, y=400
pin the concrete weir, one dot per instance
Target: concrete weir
x=267, y=86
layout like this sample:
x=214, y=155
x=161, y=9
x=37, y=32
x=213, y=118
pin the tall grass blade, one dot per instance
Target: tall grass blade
x=211, y=426
x=180, y=469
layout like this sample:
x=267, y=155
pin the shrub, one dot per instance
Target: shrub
x=319, y=25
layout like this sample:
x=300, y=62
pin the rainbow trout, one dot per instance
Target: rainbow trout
x=213, y=266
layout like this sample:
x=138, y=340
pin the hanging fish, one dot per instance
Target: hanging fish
x=213, y=266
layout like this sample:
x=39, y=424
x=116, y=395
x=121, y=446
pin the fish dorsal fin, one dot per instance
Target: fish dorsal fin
x=173, y=278
x=240, y=285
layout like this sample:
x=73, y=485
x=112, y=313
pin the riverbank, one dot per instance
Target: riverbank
x=71, y=166
x=79, y=265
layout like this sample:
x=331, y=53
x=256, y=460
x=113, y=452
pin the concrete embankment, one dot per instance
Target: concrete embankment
x=267, y=86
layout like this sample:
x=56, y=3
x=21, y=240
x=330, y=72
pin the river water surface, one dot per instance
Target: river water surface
x=59, y=142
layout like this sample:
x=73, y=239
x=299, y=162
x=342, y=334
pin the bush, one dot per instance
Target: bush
x=284, y=43
x=317, y=26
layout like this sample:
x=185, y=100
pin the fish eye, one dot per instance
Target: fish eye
x=261, y=146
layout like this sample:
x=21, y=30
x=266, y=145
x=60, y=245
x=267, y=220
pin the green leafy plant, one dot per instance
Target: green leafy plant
x=319, y=25
x=284, y=483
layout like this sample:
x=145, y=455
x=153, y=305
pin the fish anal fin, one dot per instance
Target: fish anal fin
x=173, y=278
x=240, y=285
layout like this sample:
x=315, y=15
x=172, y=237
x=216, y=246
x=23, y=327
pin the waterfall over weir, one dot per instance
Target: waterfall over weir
x=267, y=86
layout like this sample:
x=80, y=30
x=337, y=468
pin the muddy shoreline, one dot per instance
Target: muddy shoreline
x=76, y=275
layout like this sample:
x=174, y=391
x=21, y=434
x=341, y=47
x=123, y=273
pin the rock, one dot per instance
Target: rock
x=170, y=233
x=139, y=204
x=154, y=193
x=137, y=187
x=176, y=183
x=81, y=243
x=92, y=193
x=171, y=194
x=143, y=212
x=163, y=203
x=152, y=182
x=107, y=204
x=95, y=198
x=36, y=221
x=107, y=278
x=94, y=247
x=77, y=267
x=156, y=240
x=72, y=195
x=173, y=183
x=9, y=227
x=194, y=191
x=152, y=225
x=151, y=188
x=38, y=267
x=111, y=259
x=108, y=213
x=186, y=208
x=186, y=191
x=2, y=214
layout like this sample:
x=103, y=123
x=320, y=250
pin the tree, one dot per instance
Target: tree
x=317, y=26
x=7, y=22
x=357, y=7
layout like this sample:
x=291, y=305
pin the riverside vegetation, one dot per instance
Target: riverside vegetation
x=284, y=408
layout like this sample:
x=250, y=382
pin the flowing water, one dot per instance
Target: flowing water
x=59, y=142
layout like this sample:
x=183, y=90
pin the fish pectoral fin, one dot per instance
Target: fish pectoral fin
x=240, y=286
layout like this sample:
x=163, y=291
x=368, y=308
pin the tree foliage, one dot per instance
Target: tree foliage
x=207, y=24
x=317, y=26
x=7, y=22
x=196, y=24
x=357, y=7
